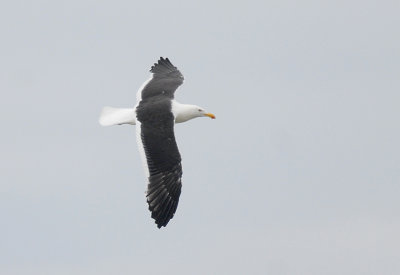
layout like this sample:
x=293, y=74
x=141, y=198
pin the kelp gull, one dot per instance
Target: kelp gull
x=155, y=114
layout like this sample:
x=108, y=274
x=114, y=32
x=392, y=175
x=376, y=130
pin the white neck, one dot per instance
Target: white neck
x=184, y=112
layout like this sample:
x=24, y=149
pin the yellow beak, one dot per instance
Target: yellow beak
x=210, y=115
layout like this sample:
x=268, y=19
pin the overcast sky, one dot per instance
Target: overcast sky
x=299, y=173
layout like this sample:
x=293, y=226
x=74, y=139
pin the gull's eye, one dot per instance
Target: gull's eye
x=200, y=110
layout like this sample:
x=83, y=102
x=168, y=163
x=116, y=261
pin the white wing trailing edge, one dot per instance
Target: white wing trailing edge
x=117, y=116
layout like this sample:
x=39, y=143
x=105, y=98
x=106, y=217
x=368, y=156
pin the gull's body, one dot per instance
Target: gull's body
x=154, y=115
x=117, y=116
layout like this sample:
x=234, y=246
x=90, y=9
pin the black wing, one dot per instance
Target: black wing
x=163, y=157
x=166, y=79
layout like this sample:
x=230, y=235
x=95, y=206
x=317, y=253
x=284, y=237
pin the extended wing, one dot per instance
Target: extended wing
x=156, y=139
x=162, y=157
x=166, y=79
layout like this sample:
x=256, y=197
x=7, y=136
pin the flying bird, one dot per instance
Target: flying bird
x=155, y=115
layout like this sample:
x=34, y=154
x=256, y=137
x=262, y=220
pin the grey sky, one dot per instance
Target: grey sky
x=299, y=173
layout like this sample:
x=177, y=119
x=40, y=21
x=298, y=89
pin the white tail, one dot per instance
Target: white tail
x=117, y=116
